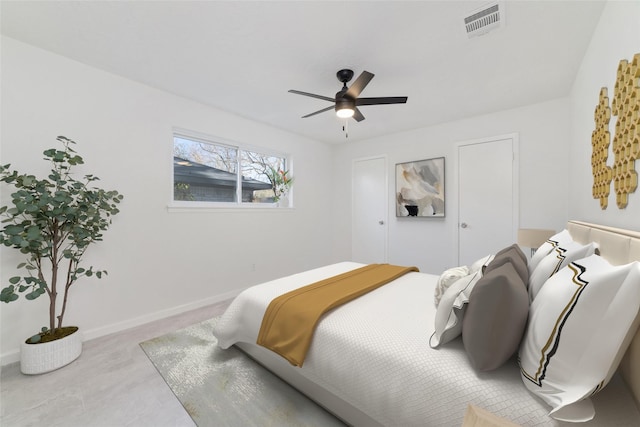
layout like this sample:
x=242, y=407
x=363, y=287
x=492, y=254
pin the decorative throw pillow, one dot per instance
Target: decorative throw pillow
x=516, y=250
x=558, y=258
x=580, y=326
x=560, y=238
x=496, y=317
x=446, y=279
x=450, y=312
x=480, y=264
x=513, y=254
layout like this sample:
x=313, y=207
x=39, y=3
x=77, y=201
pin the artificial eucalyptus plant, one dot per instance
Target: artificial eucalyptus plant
x=52, y=222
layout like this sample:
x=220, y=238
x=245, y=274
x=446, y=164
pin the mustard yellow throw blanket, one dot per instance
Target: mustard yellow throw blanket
x=290, y=320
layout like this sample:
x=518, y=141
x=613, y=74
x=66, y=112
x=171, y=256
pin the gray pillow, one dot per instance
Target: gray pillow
x=514, y=255
x=516, y=249
x=496, y=318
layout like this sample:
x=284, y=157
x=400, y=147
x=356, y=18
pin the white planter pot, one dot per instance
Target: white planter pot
x=49, y=356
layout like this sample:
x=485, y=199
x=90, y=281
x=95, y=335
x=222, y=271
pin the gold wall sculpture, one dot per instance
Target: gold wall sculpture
x=626, y=139
x=600, y=140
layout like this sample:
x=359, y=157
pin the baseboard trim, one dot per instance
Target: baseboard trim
x=13, y=356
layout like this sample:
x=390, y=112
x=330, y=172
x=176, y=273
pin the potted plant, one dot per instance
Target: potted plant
x=280, y=183
x=52, y=222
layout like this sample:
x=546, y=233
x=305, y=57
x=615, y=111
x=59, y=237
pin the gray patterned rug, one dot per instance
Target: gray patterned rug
x=225, y=387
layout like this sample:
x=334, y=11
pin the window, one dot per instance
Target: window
x=209, y=171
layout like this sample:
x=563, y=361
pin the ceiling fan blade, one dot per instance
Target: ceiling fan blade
x=313, y=95
x=382, y=100
x=357, y=115
x=319, y=111
x=361, y=82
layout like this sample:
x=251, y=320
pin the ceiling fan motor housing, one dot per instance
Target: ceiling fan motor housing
x=344, y=101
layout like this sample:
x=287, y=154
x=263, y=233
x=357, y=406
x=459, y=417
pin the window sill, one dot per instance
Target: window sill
x=231, y=207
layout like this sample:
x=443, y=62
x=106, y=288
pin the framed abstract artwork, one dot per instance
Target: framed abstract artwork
x=420, y=188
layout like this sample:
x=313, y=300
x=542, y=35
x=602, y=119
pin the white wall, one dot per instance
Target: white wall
x=159, y=262
x=430, y=244
x=616, y=37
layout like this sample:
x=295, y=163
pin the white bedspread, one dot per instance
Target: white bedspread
x=374, y=353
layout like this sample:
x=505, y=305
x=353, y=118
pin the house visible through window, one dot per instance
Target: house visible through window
x=208, y=171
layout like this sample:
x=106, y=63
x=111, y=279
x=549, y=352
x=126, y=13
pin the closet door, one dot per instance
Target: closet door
x=369, y=210
x=487, y=197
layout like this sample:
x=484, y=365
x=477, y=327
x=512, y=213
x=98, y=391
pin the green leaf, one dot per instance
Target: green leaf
x=13, y=229
x=50, y=152
x=31, y=296
x=15, y=280
x=8, y=294
x=34, y=232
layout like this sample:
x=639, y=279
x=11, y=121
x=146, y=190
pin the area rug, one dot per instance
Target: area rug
x=226, y=387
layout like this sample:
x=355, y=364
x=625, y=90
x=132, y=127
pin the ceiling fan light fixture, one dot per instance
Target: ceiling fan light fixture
x=345, y=107
x=345, y=112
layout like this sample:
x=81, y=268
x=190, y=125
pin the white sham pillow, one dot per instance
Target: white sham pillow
x=446, y=279
x=559, y=257
x=479, y=264
x=560, y=238
x=450, y=312
x=579, y=327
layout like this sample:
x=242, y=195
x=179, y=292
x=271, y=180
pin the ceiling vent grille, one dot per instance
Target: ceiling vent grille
x=484, y=19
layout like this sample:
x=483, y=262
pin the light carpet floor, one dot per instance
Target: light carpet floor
x=226, y=387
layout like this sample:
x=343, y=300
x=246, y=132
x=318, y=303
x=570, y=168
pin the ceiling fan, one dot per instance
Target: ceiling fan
x=346, y=101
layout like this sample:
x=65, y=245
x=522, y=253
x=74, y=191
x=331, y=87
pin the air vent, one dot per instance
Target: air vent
x=482, y=20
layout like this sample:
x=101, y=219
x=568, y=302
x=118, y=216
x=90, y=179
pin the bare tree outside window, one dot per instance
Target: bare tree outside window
x=207, y=171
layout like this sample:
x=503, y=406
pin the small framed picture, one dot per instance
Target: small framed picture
x=420, y=188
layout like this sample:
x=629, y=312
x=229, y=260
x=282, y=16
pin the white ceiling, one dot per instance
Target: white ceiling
x=243, y=56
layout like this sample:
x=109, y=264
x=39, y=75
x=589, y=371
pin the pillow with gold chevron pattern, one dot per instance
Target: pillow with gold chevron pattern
x=580, y=325
x=559, y=257
x=560, y=238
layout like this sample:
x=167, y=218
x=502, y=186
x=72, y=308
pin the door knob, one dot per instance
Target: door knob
x=381, y=222
x=463, y=225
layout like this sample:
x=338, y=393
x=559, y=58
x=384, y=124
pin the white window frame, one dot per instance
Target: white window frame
x=181, y=205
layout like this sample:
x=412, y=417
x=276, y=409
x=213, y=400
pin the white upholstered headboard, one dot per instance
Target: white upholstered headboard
x=618, y=246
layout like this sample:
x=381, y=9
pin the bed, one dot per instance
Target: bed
x=391, y=376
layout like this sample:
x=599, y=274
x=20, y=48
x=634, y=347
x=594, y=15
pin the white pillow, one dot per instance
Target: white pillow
x=560, y=238
x=446, y=279
x=479, y=264
x=579, y=327
x=559, y=257
x=450, y=312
